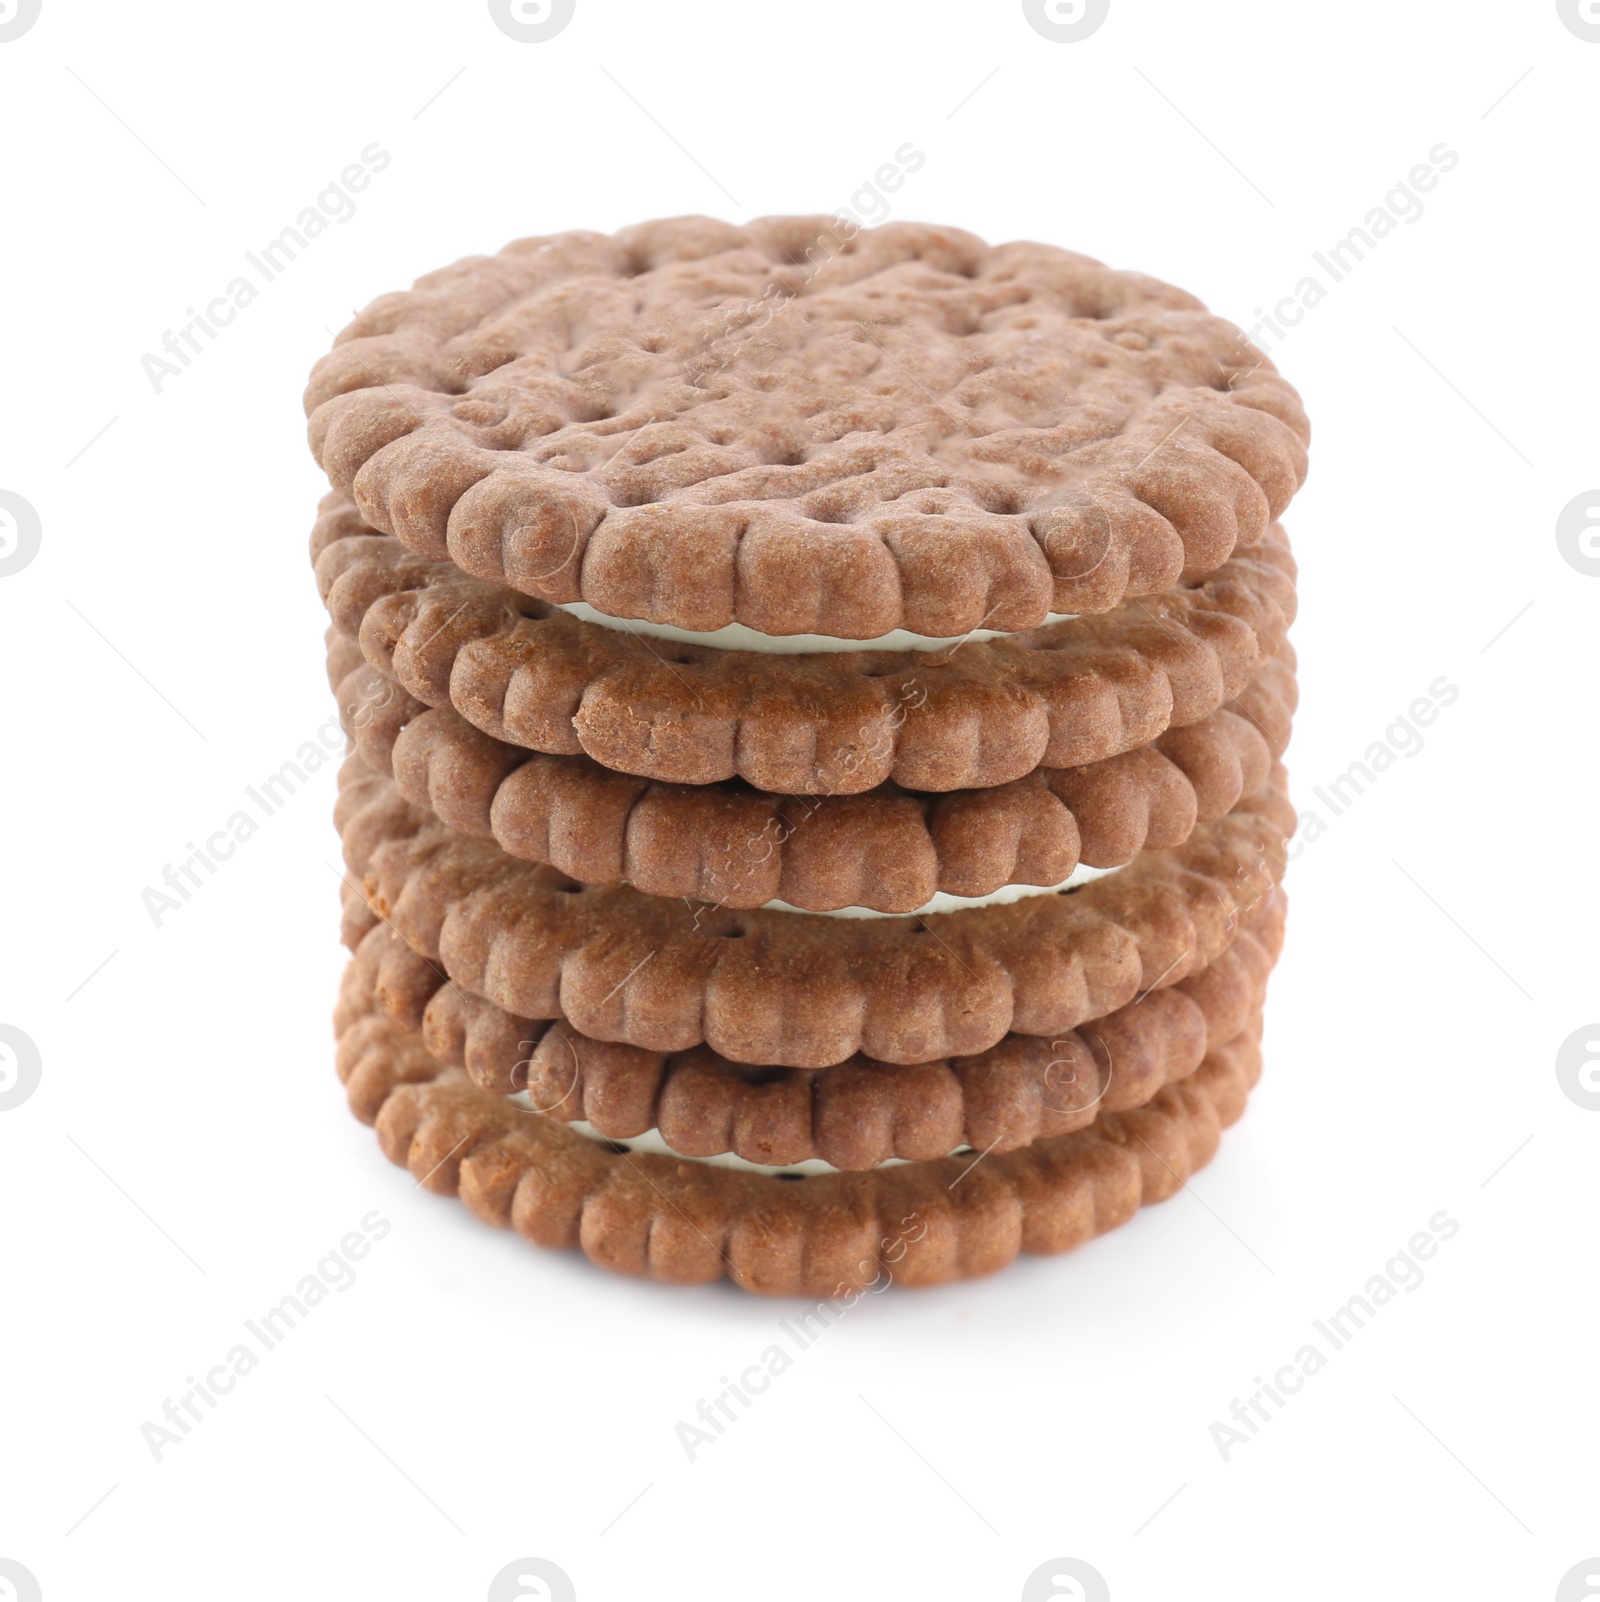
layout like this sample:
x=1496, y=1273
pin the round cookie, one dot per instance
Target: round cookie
x=687, y=1222
x=794, y=989
x=888, y=850
x=976, y=714
x=803, y=427
x=854, y=1115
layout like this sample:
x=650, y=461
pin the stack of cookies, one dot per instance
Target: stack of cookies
x=814, y=812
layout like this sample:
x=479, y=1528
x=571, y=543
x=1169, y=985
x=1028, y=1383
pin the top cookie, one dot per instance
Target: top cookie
x=802, y=427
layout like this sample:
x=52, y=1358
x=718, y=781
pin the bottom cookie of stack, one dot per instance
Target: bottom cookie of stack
x=831, y=1233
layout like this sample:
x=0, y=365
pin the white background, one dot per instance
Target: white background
x=187, y=1157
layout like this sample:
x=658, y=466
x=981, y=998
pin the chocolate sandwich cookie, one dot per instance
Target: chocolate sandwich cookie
x=797, y=426
x=978, y=711
x=794, y=989
x=687, y=1222
x=887, y=850
x=851, y=1116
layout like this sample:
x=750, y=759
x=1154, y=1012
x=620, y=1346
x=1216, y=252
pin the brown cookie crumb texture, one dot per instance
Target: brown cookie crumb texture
x=888, y=849
x=795, y=989
x=684, y=1222
x=854, y=1115
x=698, y=424
x=344, y=660
x=977, y=715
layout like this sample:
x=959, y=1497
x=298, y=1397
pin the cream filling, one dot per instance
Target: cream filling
x=651, y=1141
x=942, y=902
x=740, y=637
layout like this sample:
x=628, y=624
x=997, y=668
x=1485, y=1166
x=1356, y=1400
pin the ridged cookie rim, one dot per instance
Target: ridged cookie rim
x=979, y=715
x=461, y=415
x=796, y=989
x=887, y=849
x=684, y=1222
x=853, y=1115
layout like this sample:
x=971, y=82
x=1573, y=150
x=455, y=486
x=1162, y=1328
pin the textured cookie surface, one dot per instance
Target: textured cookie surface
x=978, y=714
x=854, y=1115
x=779, y=425
x=793, y=989
x=889, y=849
x=684, y=1222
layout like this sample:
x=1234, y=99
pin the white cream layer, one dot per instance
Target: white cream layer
x=740, y=637
x=1007, y=893
x=651, y=1141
